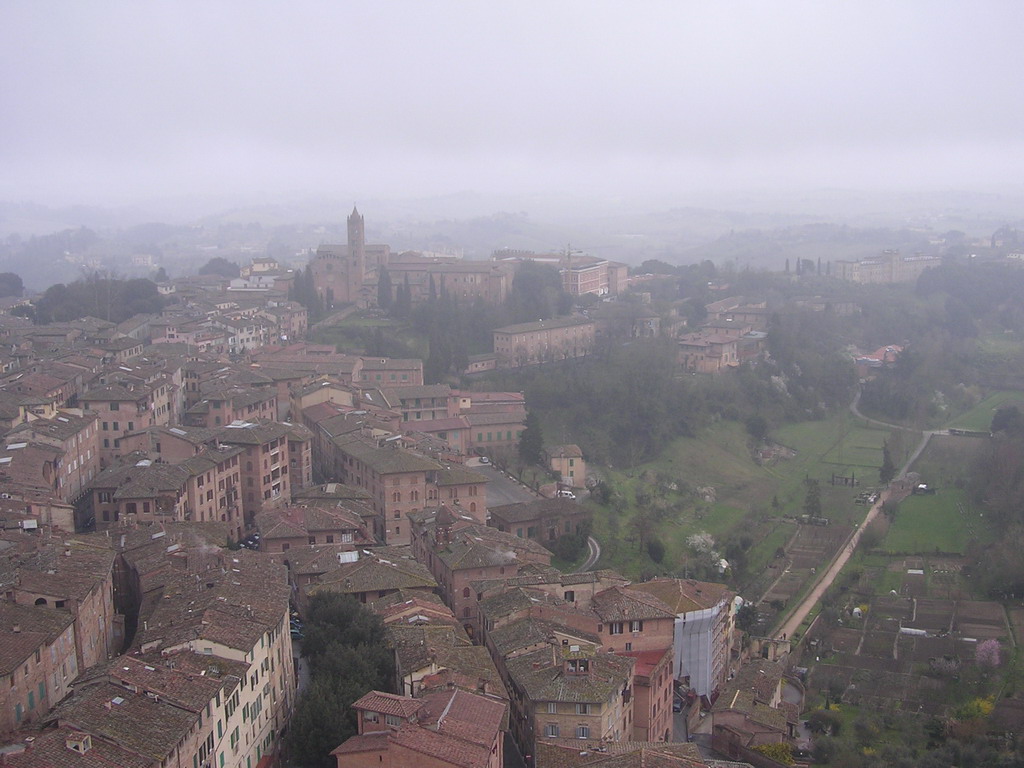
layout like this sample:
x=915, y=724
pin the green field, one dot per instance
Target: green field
x=980, y=416
x=750, y=499
x=935, y=523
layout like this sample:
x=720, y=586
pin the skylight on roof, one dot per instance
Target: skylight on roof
x=16, y=446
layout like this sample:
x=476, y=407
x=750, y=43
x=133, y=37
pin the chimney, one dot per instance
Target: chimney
x=16, y=629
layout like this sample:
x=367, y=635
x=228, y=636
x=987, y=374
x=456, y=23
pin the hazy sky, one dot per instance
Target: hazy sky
x=104, y=102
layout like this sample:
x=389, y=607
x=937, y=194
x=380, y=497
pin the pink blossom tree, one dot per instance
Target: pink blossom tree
x=987, y=654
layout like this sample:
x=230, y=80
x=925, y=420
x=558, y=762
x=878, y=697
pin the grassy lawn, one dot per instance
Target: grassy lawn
x=934, y=523
x=745, y=492
x=980, y=416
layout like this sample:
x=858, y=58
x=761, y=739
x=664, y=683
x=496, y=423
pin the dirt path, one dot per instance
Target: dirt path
x=797, y=617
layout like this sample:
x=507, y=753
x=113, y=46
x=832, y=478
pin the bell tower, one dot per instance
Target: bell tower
x=356, y=253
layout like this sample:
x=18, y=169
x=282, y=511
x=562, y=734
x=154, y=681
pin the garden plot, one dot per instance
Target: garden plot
x=981, y=620
x=934, y=615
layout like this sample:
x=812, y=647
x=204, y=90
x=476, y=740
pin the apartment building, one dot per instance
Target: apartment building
x=554, y=339
x=238, y=613
x=120, y=410
x=37, y=661
x=77, y=437
x=704, y=627
x=446, y=729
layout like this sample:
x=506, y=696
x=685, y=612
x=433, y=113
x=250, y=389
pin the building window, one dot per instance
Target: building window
x=570, y=596
x=582, y=709
x=552, y=707
x=551, y=730
x=615, y=628
x=636, y=626
x=582, y=731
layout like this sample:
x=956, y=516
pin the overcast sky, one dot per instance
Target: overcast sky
x=104, y=102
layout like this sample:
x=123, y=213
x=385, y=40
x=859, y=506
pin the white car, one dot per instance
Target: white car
x=565, y=494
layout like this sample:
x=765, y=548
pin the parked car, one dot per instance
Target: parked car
x=677, y=704
x=484, y=460
x=565, y=494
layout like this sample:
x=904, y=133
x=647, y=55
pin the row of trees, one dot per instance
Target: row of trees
x=345, y=648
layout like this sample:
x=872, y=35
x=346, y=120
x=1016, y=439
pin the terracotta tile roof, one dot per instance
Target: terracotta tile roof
x=134, y=721
x=384, y=460
x=625, y=604
x=455, y=475
x=468, y=667
x=375, y=571
x=531, y=510
x=567, y=753
x=514, y=601
x=333, y=492
x=528, y=632
x=24, y=629
x=49, y=749
x=479, y=546
x=542, y=680
x=555, y=322
x=233, y=608
x=466, y=716
x=376, y=741
x=760, y=677
x=389, y=704
x=745, y=702
x=177, y=686
x=64, y=571
x=685, y=595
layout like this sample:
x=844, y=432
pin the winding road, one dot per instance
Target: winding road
x=798, y=615
x=594, y=554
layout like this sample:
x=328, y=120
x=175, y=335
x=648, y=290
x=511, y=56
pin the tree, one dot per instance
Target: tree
x=656, y=549
x=384, y=290
x=531, y=443
x=1008, y=419
x=780, y=752
x=987, y=654
x=536, y=293
x=746, y=617
x=10, y=284
x=824, y=721
x=160, y=276
x=812, y=501
x=888, y=469
x=348, y=657
x=757, y=427
x=220, y=266
x=319, y=724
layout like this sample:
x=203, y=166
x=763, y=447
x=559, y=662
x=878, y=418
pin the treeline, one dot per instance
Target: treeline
x=454, y=327
x=107, y=298
x=345, y=648
x=623, y=403
x=939, y=325
x=997, y=486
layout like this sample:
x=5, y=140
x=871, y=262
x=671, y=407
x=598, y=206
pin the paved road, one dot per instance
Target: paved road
x=594, y=554
x=501, y=489
x=797, y=617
